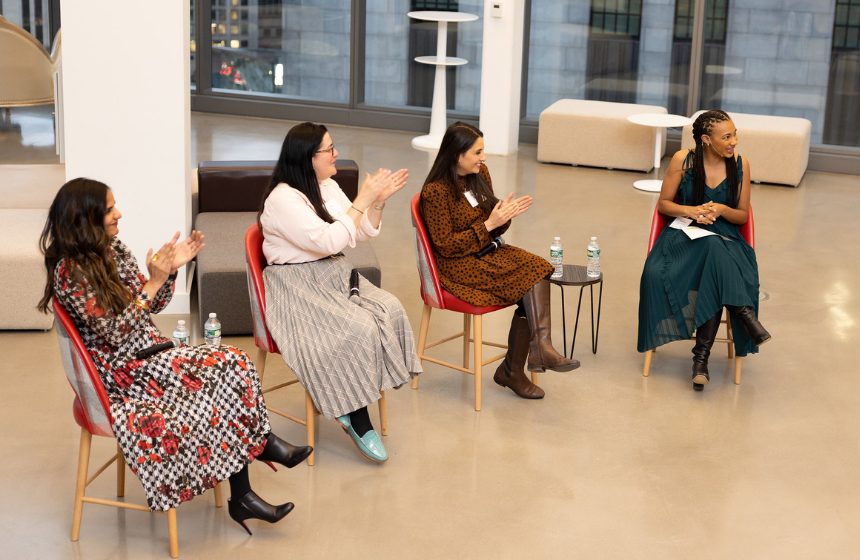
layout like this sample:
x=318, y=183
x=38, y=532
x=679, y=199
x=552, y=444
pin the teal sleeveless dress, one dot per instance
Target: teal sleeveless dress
x=685, y=282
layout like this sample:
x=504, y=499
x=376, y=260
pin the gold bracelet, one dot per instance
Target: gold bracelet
x=356, y=209
x=142, y=304
x=377, y=207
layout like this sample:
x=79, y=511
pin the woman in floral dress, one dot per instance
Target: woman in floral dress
x=186, y=418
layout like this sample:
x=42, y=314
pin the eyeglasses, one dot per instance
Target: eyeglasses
x=329, y=150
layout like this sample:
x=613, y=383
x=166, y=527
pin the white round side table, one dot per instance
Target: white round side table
x=660, y=121
x=438, y=112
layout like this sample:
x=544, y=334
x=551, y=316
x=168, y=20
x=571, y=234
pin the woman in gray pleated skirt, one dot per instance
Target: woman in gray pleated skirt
x=343, y=353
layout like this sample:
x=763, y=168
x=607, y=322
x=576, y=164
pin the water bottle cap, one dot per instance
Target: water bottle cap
x=557, y=239
x=181, y=323
x=212, y=315
x=594, y=239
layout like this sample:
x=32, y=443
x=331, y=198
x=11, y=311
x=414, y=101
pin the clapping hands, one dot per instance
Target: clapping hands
x=507, y=209
x=172, y=256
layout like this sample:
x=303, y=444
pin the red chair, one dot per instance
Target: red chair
x=92, y=413
x=435, y=296
x=659, y=222
x=256, y=263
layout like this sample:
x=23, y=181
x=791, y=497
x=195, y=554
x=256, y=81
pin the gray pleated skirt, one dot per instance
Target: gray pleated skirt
x=343, y=353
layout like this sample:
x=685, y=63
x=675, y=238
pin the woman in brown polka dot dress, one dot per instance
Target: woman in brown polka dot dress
x=463, y=216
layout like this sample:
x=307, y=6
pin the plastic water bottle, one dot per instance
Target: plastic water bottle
x=181, y=333
x=556, y=255
x=212, y=331
x=593, y=258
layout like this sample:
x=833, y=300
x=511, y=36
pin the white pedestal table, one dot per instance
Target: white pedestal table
x=438, y=111
x=660, y=121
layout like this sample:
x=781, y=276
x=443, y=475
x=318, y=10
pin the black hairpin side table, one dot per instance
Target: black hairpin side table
x=577, y=275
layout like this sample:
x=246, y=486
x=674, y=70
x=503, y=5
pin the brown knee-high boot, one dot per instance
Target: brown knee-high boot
x=510, y=372
x=543, y=355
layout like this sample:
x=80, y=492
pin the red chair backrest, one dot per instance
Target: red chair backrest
x=659, y=221
x=91, y=408
x=255, y=262
x=431, y=290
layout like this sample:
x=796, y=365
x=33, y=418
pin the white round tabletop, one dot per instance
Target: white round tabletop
x=449, y=60
x=659, y=119
x=718, y=69
x=443, y=16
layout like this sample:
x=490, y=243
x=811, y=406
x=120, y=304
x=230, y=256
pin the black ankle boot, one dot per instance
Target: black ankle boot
x=251, y=506
x=283, y=453
x=705, y=335
x=757, y=333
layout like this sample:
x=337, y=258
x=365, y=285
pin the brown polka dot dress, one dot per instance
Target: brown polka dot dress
x=457, y=232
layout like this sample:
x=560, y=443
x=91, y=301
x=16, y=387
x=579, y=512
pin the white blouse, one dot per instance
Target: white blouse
x=293, y=233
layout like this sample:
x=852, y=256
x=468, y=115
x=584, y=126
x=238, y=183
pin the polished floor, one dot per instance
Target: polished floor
x=610, y=465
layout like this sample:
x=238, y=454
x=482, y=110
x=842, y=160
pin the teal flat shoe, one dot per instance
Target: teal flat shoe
x=369, y=444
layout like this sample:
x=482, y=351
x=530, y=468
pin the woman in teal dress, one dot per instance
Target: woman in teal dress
x=686, y=283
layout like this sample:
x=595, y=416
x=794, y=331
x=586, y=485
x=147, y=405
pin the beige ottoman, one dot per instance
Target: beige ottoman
x=777, y=147
x=597, y=133
x=22, y=270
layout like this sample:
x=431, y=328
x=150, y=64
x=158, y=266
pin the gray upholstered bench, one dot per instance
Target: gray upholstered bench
x=229, y=195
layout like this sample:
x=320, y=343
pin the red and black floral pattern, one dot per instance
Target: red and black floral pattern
x=186, y=418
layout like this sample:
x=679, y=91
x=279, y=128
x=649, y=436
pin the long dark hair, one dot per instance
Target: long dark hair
x=295, y=167
x=459, y=139
x=704, y=124
x=75, y=231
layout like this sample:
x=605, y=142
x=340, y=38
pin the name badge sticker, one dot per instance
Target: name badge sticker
x=471, y=198
x=333, y=207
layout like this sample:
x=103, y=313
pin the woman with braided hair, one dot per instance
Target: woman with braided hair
x=686, y=283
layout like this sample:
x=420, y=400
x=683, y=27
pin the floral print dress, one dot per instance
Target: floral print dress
x=186, y=418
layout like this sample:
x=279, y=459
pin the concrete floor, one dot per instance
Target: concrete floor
x=609, y=465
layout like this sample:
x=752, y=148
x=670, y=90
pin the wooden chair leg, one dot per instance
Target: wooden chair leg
x=309, y=418
x=219, y=497
x=478, y=344
x=737, y=370
x=383, y=413
x=467, y=322
x=534, y=377
x=729, y=336
x=120, y=472
x=648, y=355
x=171, y=530
x=83, y=465
x=260, y=363
x=422, y=338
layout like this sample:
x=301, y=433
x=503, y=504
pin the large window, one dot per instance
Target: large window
x=796, y=59
x=604, y=50
x=842, y=115
x=393, y=78
x=298, y=49
x=352, y=61
x=31, y=15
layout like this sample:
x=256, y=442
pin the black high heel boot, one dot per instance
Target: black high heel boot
x=251, y=506
x=283, y=453
x=758, y=333
x=705, y=335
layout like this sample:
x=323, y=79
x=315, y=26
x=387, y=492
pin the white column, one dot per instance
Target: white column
x=501, y=76
x=127, y=115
